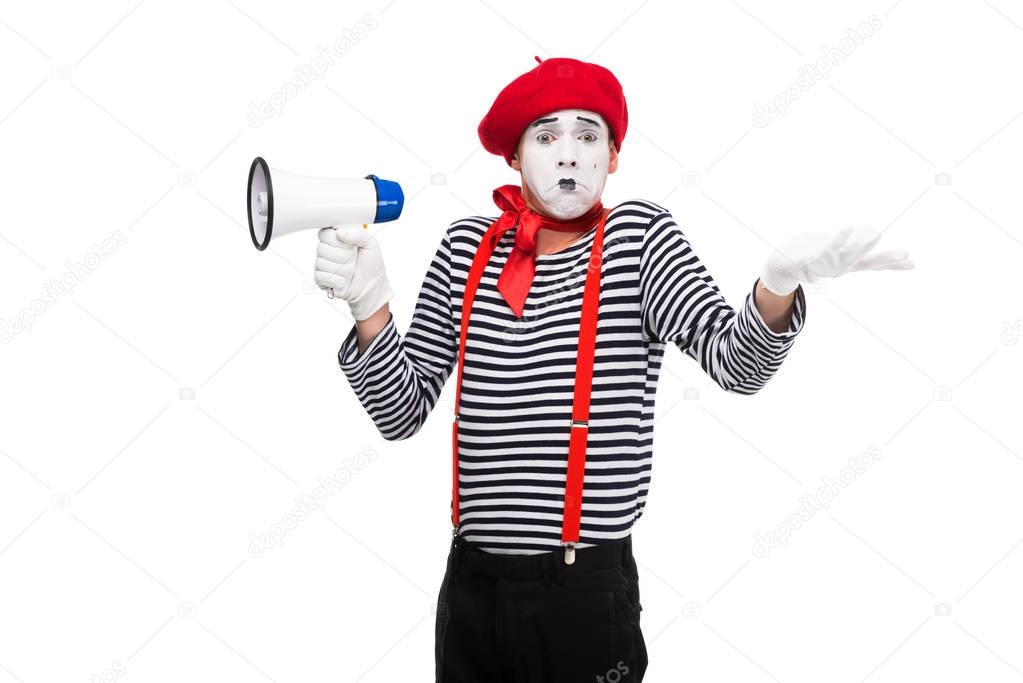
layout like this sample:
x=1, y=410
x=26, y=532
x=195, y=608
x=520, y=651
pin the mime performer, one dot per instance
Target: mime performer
x=554, y=317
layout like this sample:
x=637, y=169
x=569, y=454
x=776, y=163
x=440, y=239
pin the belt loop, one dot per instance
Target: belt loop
x=457, y=552
x=547, y=565
x=557, y=561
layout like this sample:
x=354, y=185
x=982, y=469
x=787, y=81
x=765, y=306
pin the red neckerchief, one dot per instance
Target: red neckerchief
x=517, y=275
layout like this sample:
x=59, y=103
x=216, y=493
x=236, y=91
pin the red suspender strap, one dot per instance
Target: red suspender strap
x=580, y=430
x=479, y=263
x=583, y=383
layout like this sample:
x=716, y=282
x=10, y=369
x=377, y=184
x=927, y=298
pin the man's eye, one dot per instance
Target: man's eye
x=544, y=138
x=589, y=137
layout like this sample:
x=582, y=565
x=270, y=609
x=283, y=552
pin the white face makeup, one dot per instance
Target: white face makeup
x=564, y=160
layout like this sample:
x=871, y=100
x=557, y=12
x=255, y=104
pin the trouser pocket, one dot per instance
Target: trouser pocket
x=626, y=634
x=633, y=608
x=440, y=637
x=631, y=574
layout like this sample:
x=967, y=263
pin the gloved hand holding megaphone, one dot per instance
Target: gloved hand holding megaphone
x=349, y=263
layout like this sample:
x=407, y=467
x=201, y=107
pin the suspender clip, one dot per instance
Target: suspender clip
x=569, y=553
x=580, y=423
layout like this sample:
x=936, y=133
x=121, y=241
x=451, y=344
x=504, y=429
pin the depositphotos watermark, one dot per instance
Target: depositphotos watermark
x=314, y=501
x=561, y=292
x=614, y=674
x=813, y=503
x=110, y=674
x=62, y=286
x=306, y=74
x=1012, y=332
x=522, y=325
x=813, y=73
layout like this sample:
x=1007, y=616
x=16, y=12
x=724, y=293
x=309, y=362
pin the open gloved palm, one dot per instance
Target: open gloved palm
x=812, y=256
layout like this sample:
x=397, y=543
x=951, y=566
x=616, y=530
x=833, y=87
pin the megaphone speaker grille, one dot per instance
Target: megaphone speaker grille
x=261, y=219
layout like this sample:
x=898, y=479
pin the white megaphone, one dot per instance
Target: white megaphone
x=288, y=202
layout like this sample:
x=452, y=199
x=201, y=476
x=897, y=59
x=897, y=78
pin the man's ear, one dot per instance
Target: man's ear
x=516, y=162
x=612, y=162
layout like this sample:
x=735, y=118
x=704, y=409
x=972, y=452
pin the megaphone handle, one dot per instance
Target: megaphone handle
x=330, y=290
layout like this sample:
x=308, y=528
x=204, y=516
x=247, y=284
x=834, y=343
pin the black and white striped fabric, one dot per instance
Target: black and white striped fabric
x=518, y=381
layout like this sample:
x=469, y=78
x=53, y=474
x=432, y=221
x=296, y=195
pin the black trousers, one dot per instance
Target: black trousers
x=534, y=619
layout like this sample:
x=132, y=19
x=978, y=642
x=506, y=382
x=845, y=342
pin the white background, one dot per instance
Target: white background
x=179, y=394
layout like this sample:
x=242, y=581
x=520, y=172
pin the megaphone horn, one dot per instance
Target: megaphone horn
x=282, y=202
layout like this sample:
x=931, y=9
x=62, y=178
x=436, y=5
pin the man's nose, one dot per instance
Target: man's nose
x=566, y=161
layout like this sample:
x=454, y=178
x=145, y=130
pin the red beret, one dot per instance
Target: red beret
x=556, y=83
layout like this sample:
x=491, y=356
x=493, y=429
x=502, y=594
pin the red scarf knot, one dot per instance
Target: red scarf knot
x=517, y=275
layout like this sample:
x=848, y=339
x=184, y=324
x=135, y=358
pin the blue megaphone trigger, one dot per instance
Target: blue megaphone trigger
x=390, y=199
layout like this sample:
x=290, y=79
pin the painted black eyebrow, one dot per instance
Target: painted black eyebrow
x=554, y=120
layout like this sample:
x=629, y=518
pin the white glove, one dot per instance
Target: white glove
x=814, y=255
x=349, y=262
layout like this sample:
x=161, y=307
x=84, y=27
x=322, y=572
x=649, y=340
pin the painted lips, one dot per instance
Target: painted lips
x=566, y=184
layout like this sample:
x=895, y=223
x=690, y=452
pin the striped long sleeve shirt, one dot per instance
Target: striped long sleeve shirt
x=518, y=379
